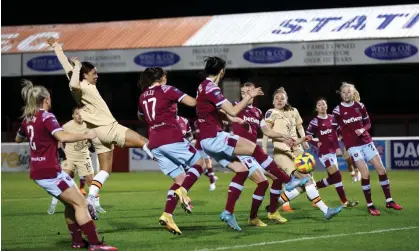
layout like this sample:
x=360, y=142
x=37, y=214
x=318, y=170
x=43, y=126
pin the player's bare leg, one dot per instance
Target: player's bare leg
x=79, y=220
x=82, y=184
x=234, y=190
x=134, y=140
x=335, y=178
x=258, y=195
x=355, y=174
x=54, y=202
x=384, y=182
x=105, y=163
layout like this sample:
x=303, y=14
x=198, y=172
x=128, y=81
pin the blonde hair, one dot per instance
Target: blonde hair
x=33, y=96
x=356, y=96
x=287, y=106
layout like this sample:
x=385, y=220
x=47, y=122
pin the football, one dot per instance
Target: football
x=305, y=163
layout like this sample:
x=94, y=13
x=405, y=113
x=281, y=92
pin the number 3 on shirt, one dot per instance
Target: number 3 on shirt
x=153, y=108
x=31, y=134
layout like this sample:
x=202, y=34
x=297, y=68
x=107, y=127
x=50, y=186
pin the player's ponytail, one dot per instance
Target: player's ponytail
x=33, y=96
x=357, y=97
x=287, y=106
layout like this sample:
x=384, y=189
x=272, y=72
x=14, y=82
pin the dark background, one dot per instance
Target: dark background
x=16, y=12
x=389, y=91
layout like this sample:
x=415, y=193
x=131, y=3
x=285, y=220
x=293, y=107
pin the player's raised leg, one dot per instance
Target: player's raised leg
x=246, y=147
x=105, y=162
x=335, y=178
x=129, y=139
x=314, y=196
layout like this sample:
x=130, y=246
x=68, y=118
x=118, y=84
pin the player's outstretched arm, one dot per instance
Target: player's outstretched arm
x=188, y=101
x=66, y=137
x=235, y=110
x=272, y=134
x=75, y=81
x=233, y=119
x=60, y=55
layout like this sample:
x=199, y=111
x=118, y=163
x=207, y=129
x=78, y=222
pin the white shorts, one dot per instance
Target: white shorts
x=250, y=163
x=56, y=185
x=329, y=159
x=366, y=152
x=221, y=147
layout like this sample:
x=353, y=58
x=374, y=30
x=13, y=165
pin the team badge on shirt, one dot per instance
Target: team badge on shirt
x=268, y=114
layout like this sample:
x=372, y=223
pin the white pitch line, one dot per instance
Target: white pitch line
x=308, y=238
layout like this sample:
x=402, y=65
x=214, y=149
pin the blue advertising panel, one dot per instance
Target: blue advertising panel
x=404, y=154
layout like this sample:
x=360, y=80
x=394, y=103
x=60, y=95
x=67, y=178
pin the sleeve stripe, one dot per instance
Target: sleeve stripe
x=56, y=130
x=212, y=89
x=47, y=117
x=181, y=97
x=221, y=102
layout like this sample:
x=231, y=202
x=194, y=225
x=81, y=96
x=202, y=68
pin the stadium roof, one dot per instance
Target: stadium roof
x=399, y=21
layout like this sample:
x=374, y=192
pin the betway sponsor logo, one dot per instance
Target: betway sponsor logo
x=38, y=158
x=328, y=131
x=250, y=119
x=352, y=120
x=158, y=125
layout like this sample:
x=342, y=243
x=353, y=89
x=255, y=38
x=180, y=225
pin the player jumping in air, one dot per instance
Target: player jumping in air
x=167, y=142
x=325, y=128
x=354, y=122
x=43, y=131
x=96, y=114
x=77, y=157
x=187, y=133
x=222, y=146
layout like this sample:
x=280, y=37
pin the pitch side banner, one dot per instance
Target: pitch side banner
x=15, y=157
x=404, y=154
x=395, y=51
